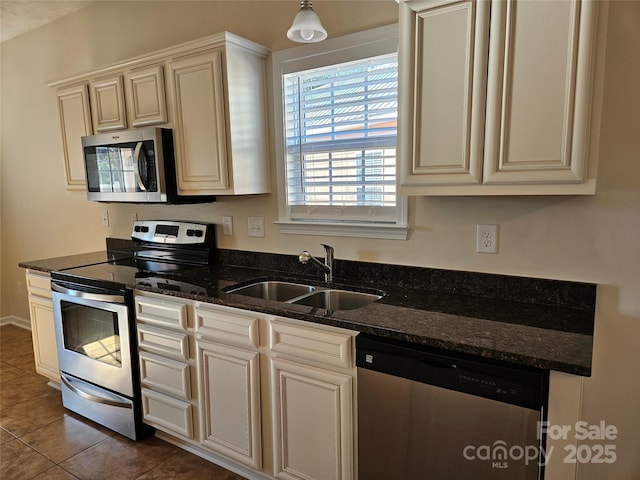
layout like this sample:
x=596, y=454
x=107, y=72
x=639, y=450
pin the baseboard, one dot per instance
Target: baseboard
x=17, y=321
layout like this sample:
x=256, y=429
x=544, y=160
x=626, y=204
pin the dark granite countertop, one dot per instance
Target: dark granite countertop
x=527, y=321
x=70, y=261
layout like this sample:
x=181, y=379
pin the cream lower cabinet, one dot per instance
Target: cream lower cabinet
x=229, y=376
x=266, y=396
x=276, y=394
x=43, y=330
x=313, y=421
x=167, y=365
x=497, y=97
x=312, y=375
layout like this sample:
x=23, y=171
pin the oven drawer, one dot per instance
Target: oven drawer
x=167, y=414
x=164, y=342
x=162, y=312
x=165, y=375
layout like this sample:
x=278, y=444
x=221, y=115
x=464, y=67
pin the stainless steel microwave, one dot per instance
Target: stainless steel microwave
x=135, y=166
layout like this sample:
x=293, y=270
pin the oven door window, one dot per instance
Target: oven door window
x=91, y=332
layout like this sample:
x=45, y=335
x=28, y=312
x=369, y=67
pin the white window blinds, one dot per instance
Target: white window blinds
x=340, y=133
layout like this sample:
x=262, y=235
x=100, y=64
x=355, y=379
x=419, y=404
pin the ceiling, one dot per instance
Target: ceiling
x=20, y=16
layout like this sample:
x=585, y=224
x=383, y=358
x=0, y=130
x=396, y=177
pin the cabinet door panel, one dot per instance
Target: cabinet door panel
x=444, y=98
x=165, y=375
x=200, y=140
x=75, y=122
x=44, y=337
x=230, y=402
x=167, y=414
x=539, y=86
x=146, y=103
x=313, y=426
x=164, y=313
x=108, y=110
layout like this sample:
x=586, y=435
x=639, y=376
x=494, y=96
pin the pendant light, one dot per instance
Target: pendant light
x=306, y=27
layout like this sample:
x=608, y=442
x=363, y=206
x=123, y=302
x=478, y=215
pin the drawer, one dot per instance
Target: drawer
x=318, y=345
x=165, y=375
x=38, y=284
x=228, y=325
x=162, y=312
x=164, y=342
x=167, y=414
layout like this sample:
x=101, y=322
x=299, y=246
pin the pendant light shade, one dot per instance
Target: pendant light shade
x=306, y=27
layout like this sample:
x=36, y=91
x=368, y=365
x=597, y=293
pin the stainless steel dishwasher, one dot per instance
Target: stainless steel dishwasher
x=430, y=414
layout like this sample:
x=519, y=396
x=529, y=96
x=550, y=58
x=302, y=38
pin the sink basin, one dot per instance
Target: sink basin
x=337, y=299
x=273, y=290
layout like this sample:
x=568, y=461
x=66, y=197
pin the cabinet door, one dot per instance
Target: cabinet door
x=75, y=122
x=146, y=104
x=539, y=91
x=230, y=402
x=44, y=337
x=443, y=59
x=313, y=422
x=107, y=104
x=200, y=135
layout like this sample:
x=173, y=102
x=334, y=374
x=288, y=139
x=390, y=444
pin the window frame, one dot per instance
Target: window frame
x=369, y=43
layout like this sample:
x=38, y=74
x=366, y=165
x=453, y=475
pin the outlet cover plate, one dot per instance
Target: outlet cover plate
x=487, y=239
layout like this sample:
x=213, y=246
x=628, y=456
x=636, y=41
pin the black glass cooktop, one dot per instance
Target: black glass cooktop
x=119, y=274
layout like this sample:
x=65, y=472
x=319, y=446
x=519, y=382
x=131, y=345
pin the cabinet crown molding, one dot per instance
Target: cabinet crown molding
x=222, y=39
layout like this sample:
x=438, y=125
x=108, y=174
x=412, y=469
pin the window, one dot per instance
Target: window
x=337, y=133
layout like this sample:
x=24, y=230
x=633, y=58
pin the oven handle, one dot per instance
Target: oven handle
x=100, y=297
x=94, y=398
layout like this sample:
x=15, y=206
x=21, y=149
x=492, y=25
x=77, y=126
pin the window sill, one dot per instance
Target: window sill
x=338, y=229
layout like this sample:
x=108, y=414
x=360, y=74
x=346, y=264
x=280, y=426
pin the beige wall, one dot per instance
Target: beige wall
x=594, y=239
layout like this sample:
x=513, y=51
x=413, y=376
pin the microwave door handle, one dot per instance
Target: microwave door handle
x=136, y=166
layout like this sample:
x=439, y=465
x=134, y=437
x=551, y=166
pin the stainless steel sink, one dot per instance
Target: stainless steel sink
x=332, y=299
x=273, y=290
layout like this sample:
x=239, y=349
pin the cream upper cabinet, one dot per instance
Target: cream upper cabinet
x=145, y=96
x=200, y=135
x=75, y=122
x=140, y=98
x=42, y=324
x=107, y=104
x=211, y=92
x=219, y=106
x=496, y=97
x=443, y=67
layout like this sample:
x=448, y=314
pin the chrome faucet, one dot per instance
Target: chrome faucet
x=327, y=267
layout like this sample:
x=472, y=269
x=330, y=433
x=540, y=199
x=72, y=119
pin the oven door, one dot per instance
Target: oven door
x=93, y=337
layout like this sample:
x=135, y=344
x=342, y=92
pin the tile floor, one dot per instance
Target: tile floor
x=39, y=439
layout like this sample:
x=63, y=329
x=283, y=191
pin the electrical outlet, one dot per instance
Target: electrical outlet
x=104, y=216
x=487, y=239
x=19, y=288
x=227, y=225
x=255, y=226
